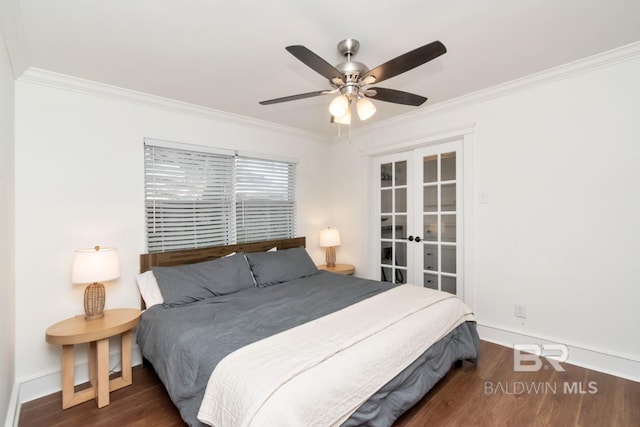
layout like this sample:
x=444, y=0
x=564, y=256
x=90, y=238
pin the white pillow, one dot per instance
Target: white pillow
x=149, y=289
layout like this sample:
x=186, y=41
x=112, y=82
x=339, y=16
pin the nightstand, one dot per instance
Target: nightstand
x=96, y=333
x=339, y=268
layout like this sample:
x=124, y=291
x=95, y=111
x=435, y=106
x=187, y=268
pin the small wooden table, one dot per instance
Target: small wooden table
x=77, y=330
x=339, y=268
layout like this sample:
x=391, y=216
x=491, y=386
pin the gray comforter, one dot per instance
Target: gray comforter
x=184, y=344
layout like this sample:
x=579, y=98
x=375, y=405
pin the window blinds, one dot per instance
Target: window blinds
x=265, y=199
x=189, y=198
x=198, y=199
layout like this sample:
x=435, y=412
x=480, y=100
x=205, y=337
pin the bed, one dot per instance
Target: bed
x=254, y=334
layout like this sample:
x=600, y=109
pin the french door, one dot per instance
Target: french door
x=418, y=222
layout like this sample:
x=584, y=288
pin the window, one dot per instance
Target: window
x=198, y=197
x=265, y=199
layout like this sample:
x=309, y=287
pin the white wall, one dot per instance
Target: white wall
x=79, y=182
x=7, y=296
x=559, y=160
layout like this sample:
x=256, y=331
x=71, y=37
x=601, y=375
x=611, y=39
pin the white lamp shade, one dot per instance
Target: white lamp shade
x=344, y=120
x=365, y=108
x=339, y=106
x=95, y=265
x=329, y=237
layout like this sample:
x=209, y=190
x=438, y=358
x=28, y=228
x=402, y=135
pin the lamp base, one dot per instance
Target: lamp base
x=330, y=256
x=94, y=296
x=97, y=316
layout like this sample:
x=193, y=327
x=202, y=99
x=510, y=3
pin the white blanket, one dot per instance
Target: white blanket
x=319, y=373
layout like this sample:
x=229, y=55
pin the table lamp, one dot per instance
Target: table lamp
x=92, y=266
x=330, y=238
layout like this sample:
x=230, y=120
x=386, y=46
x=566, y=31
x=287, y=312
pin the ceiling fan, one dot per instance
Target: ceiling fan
x=350, y=79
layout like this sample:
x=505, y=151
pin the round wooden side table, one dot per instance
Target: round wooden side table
x=96, y=333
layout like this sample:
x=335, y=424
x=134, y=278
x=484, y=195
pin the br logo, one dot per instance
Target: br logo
x=527, y=357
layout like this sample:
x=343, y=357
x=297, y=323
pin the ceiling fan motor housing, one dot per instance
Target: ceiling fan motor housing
x=351, y=70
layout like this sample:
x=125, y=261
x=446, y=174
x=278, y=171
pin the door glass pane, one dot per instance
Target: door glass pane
x=448, y=195
x=400, y=275
x=448, y=227
x=385, y=175
x=430, y=169
x=401, y=200
x=430, y=281
x=401, y=173
x=386, y=201
x=430, y=199
x=430, y=229
x=449, y=259
x=386, y=252
x=448, y=167
x=401, y=254
x=401, y=227
x=431, y=257
x=386, y=227
x=386, y=274
x=448, y=284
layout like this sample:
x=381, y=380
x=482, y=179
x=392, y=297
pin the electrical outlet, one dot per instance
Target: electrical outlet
x=520, y=310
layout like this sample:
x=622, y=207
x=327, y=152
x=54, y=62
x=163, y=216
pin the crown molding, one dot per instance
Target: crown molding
x=584, y=65
x=93, y=88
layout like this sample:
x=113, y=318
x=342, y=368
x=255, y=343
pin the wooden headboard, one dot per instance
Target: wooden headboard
x=191, y=256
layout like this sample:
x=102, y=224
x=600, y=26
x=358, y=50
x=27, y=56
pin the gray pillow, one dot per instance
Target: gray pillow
x=184, y=284
x=271, y=268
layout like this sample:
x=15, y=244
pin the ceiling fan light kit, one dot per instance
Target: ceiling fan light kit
x=350, y=78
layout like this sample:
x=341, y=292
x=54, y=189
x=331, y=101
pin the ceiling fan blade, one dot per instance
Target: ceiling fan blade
x=295, y=97
x=406, y=62
x=396, y=96
x=314, y=62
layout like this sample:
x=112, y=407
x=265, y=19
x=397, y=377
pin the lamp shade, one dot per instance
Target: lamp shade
x=95, y=265
x=365, y=108
x=329, y=237
x=344, y=120
x=339, y=106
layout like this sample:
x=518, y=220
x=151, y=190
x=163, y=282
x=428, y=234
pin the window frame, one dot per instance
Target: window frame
x=272, y=172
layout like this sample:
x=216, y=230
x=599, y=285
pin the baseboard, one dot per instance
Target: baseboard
x=13, y=409
x=51, y=382
x=622, y=366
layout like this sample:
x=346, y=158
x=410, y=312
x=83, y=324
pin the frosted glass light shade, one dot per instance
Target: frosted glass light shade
x=339, y=106
x=95, y=265
x=329, y=237
x=344, y=120
x=365, y=108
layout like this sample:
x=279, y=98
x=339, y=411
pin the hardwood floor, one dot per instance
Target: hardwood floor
x=489, y=394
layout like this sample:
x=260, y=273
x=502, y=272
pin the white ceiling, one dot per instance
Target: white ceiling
x=228, y=55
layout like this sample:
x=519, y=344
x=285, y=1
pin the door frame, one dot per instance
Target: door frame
x=466, y=135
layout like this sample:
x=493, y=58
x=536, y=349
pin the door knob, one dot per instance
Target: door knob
x=410, y=238
x=418, y=239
